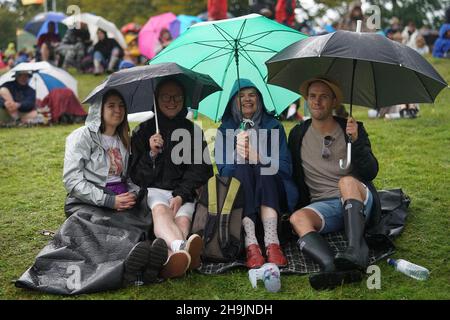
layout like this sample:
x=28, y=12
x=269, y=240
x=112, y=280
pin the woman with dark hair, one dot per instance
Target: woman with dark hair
x=97, y=155
x=106, y=238
x=165, y=38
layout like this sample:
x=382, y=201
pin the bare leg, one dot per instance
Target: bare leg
x=29, y=116
x=268, y=213
x=45, y=52
x=305, y=221
x=165, y=226
x=351, y=188
x=184, y=224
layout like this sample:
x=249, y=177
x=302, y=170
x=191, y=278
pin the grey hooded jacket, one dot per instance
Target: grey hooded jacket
x=86, y=163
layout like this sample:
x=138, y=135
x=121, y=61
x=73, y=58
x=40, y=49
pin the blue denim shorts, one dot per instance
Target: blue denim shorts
x=330, y=212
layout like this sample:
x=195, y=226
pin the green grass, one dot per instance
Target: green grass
x=413, y=155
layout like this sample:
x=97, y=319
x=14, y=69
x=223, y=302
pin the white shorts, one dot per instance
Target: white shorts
x=157, y=196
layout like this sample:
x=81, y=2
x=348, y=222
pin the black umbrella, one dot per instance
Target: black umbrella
x=372, y=70
x=137, y=85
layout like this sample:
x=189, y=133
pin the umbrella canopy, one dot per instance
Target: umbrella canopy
x=130, y=27
x=385, y=72
x=94, y=23
x=138, y=84
x=182, y=23
x=232, y=49
x=45, y=78
x=204, y=15
x=149, y=34
x=39, y=24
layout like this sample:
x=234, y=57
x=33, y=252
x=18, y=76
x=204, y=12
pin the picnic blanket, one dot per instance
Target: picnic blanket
x=88, y=251
x=394, y=204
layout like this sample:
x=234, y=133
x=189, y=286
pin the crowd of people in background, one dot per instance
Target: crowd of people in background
x=75, y=48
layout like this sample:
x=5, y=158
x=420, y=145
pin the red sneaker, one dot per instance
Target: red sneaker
x=275, y=255
x=254, y=256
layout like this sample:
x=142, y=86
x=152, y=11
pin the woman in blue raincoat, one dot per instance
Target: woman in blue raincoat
x=258, y=157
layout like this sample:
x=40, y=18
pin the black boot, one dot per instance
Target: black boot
x=319, y=250
x=356, y=256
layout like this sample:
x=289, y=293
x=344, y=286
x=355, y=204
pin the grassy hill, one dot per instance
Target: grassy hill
x=413, y=155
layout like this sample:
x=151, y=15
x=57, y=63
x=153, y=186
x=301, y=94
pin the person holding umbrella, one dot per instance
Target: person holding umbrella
x=331, y=199
x=172, y=185
x=268, y=193
x=47, y=43
x=96, y=173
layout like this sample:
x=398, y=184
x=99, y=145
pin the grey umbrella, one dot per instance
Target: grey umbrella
x=137, y=85
x=372, y=70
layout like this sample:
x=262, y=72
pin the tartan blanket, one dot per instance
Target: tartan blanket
x=298, y=263
x=394, y=207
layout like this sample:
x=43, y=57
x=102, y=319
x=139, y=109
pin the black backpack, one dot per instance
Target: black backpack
x=218, y=219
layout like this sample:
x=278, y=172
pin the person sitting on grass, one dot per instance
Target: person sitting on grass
x=332, y=199
x=268, y=194
x=172, y=185
x=18, y=100
x=95, y=173
x=48, y=43
x=107, y=53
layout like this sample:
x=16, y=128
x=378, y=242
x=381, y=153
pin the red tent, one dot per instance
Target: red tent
x=62, y=101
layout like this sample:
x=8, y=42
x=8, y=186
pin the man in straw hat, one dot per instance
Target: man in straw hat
x=332, y=199
x=18, y=99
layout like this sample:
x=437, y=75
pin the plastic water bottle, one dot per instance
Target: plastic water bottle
x=269, y=274
x=410, y=269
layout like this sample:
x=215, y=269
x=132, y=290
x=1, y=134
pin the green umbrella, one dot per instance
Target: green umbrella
x=231, y=49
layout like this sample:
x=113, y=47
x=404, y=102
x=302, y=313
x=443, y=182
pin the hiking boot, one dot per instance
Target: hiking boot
x=255, y=258
x=193, y=246
x=275, y=255
x=135, y=263
x=176, y=266
x=157, y=257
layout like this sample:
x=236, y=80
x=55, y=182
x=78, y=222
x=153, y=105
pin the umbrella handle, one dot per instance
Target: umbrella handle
x=349, y=158
x=155, y=112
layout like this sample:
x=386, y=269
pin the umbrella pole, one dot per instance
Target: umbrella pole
x=236, y=58
x=156, y=112
x=345, y=165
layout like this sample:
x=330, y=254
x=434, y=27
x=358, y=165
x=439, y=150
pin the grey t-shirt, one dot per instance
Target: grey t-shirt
x=322, y=175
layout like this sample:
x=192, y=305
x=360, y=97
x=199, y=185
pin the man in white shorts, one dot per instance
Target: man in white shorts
x=172, y=187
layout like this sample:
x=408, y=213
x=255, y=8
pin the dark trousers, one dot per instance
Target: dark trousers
x=260, y=190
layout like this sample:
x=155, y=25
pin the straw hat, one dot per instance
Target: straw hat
x=330, y=83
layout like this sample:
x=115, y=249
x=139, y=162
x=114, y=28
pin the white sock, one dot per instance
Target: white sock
x=250, y=235
x=270, y=231
x=175, y=245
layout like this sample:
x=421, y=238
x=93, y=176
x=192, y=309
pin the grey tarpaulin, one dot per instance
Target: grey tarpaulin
x=91, y=245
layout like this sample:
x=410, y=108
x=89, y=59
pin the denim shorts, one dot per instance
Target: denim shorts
x=330, y=212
